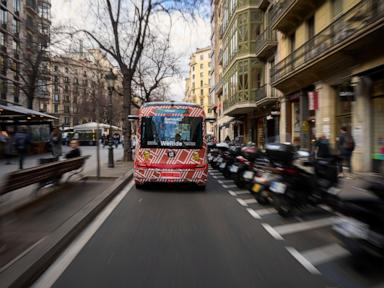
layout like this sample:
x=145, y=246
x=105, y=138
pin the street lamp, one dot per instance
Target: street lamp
x=110, y=78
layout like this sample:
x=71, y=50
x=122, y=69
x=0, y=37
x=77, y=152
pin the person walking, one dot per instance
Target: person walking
x=346, y=146
x=22, y=142
x=75, y=151
x=55, y=140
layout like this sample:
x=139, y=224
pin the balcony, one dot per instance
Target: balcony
x=31, y=6
x=244, y=102
x=220, y=56
x=336, y=47
x=286, y=15
x=266, y=44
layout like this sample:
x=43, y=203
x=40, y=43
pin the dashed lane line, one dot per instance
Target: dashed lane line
x=266, y=211
x=253, y=213
x=225, y=181
x=241, y=202
x=242, y=192
x=303, y=261
x=307, y=225
x=229, y=186
x=272, y=231
x=218, y=177
x=325, y=253
x=231, y=193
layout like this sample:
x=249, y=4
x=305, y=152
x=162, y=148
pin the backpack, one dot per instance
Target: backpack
x=349, y=143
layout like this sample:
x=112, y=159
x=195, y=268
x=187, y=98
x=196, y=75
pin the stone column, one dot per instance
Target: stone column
x=361, y=126
x=283, y=123
x=326, y=113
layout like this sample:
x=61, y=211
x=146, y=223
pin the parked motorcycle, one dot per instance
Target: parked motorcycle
x=217, y=159
x=362, y=228
x=244, y=166
x=301, y=182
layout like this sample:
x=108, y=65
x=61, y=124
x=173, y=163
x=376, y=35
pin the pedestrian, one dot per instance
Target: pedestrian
x=346, y=146
x=115, y=140
x=75, y=151
x=22, y=142
x=322, y=147
x=55, y=140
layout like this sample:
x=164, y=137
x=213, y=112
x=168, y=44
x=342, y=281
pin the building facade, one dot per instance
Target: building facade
x=79, y=89
x=24, y=34
x=330, y=69
x=245, y=46
x=197, y=84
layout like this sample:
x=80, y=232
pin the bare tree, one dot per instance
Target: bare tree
x=157, y=65
x=122, y=31
x=34, y=72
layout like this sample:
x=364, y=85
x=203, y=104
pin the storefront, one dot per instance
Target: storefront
x=377, y=106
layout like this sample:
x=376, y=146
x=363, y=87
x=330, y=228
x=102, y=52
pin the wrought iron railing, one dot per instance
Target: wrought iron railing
x=279, y=8
x=267, y=37
x=343, y=29
x=246, y=97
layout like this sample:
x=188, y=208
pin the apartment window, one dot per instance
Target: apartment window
x=311, y=27
x=16, y=94
x=201, y=66
x=56, y=68
x=3, y=89
x=292, y=42
x=15, y=26
x=55, y=108
x=66, y=80
x=66, y=69
x=201, y=75
x=2, y=64
x=66, y=120
x=201, y=57
x=201, y=83
x=201, y=101
x=337, y=7
x=44, y=10
x=2, y=39
x=66, y=89
x=56, y=98
x=15, y=47
x=66, y=109
x=193, y=68
x=16, y=5
x=201, y=92
x=29, y=22
x=193, y=76
x=3, y=17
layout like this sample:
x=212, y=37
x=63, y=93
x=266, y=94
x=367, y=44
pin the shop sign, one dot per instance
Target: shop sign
x=313, y=100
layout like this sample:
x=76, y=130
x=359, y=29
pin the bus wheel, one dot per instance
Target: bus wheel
x=201, y=187
x=139, y=186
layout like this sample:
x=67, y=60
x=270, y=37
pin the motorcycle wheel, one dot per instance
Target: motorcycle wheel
x=239, y=182
x=283, y=207
x=261, y=198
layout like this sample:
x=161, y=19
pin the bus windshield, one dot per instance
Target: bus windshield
x=171, y=132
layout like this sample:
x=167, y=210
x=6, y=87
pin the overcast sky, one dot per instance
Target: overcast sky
x=186, y=36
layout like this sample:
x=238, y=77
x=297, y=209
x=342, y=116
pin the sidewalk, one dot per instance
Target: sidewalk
x=37, y=233
x=354, y=187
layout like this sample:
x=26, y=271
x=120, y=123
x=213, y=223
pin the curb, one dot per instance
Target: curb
x=30, y=266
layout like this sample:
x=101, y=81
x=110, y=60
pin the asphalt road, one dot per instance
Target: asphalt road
x=177, y=237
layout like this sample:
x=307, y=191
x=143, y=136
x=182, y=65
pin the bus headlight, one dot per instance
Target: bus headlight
x=146, y=155
x=196, y=156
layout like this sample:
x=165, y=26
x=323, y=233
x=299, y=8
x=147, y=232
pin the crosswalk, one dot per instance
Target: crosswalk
x=308, y=237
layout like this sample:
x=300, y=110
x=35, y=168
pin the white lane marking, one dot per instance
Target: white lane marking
x=272, y=231
x=241, y=202
x=253, y=213
x=232, y=193
x=325, y=253
x=266, y=211
x=326, y=208
x=218, y=177
x=225, y=181
x=51, y=275
x=303, y=261
x=229, y=186
x=307, y=225
x=250, y=201
x=241, y=192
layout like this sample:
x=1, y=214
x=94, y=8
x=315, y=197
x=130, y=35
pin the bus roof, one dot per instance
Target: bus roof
x=171, y=103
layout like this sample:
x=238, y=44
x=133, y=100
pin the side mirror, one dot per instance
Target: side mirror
x=210, y=119
x=133, y=118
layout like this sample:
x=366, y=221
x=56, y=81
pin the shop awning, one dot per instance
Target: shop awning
x=93, y=126
x=13, y=112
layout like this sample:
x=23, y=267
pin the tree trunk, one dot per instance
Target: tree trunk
x=127, y=92
x=29, y=102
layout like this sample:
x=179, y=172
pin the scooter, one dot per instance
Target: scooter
x=361, y=228
x=301, y=182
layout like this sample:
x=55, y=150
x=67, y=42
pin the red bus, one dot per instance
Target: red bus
x=171, y=144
